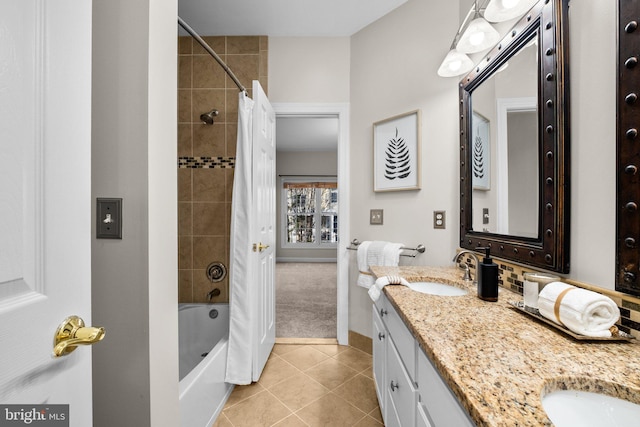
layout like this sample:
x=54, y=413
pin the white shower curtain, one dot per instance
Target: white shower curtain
x=239, y=356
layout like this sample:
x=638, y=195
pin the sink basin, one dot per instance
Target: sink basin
x=434, y=288
x=586, y=409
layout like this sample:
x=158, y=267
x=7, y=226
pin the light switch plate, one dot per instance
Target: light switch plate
x=376, y=216
x=108, y=218
x=439, y=219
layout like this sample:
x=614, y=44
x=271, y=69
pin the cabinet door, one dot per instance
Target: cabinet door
x=380, y=336
x=400, y=389
x=422, y=420
x=439, y=402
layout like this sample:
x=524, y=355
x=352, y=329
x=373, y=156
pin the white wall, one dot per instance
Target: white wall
x=393, y=65
x=393, y=70
x=309, y=69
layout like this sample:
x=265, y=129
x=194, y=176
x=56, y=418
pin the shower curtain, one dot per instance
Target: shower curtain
x=239, y=356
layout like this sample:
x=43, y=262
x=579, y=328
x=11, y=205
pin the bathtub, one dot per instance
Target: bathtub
x=203, y=342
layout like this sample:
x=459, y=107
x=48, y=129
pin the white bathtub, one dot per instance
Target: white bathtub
x=203, y=363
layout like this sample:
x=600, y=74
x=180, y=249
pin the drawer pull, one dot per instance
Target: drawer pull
x=381, y=336
x=394, y=386
x=382, y=312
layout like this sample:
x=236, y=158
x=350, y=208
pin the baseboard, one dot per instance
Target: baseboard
x=289, y=259
x=307, y=341
x=360, y=342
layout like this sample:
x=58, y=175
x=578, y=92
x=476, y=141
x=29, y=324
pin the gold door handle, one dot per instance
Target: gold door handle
x=259, y=247
x=72, y=333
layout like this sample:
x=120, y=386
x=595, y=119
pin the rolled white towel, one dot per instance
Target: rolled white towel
x=580, y=310
x=376, y=289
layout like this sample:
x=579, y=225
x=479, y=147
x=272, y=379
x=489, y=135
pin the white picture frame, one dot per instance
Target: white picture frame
x=396, y=153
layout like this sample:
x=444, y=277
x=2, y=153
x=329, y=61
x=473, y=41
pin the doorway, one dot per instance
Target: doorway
x=337, y=259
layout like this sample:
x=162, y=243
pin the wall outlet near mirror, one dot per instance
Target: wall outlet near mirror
x=439, y=219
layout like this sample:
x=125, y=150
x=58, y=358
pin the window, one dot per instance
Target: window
x=310, y=213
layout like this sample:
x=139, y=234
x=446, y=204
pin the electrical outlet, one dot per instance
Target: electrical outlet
x=109, y=218
x=439, y=219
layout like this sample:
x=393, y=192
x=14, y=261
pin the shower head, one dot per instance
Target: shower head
x=207, y=118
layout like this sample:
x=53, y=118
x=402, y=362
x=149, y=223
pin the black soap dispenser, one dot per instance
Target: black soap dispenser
x=488, y=278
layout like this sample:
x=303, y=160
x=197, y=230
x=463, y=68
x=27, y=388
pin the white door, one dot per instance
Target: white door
x=264, y=222
x=45, y=203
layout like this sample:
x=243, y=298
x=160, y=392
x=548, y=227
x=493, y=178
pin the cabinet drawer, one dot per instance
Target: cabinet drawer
x=401, y=394
x=440, y=403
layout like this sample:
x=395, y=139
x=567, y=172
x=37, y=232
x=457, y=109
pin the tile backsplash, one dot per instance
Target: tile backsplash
x=206, y=154
x=511, y=276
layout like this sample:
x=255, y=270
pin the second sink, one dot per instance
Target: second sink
x=434, y=288
x=586, y=409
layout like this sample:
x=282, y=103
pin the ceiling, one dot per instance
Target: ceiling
x=304, y=133
x=283, y=18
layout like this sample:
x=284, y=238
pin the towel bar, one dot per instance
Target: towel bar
x=418, y=249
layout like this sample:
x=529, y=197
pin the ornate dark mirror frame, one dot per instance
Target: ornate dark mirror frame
x=550, y=250
x=628, y=153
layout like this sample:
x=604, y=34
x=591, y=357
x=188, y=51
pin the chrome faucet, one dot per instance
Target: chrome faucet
x=464, y=266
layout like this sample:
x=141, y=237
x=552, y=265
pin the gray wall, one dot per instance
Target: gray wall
x=302, y=163
x=128, y=389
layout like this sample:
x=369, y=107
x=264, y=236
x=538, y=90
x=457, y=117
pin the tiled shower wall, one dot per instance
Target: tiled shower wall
x=206, y=154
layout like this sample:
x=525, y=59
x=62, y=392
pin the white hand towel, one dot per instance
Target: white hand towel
x=375, y=253
x=580, y=310
x=365, y=278
x=376, y=289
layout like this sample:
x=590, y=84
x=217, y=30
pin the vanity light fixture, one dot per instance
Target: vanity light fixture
x=479, y=34
x=455, y=63
x=505, y=10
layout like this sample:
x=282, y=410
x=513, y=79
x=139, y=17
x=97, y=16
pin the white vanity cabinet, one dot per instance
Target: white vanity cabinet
x=410, y=391
x=436, y=401
x=394, y=365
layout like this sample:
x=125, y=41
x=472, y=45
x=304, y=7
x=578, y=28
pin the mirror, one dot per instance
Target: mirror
x=514, y=144
x=505, y=155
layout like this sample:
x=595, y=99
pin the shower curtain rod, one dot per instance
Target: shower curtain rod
x=206, y=47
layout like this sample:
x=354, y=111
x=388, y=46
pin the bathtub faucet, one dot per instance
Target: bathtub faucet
x=213, y=293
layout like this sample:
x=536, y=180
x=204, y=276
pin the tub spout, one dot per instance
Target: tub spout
x=213, y=293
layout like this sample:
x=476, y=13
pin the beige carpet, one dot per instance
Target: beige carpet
x=306, y=300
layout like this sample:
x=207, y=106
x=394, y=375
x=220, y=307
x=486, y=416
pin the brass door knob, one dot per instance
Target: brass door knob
x=71, y=333
x=259, y=247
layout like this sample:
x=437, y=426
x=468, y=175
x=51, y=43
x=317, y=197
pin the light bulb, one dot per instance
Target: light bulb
x=478, y=36
x=455, y=65
x=476, y=39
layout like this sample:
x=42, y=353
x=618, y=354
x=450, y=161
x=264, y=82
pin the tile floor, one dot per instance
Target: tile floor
x=307, y=385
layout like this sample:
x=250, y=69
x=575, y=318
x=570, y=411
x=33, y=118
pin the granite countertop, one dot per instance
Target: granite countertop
x=499, y=361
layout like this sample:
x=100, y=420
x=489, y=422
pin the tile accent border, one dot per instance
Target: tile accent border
x=511, y=276
x=206, y=162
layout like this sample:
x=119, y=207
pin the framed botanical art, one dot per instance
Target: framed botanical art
x=480, y=152
x=396, y=153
